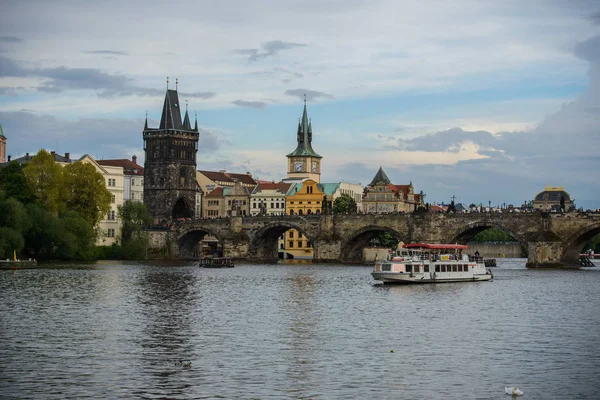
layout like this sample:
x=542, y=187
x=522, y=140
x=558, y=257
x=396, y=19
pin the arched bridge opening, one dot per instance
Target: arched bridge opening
x=198, y=243
x=491, y=240
x=575, y=245
x=281, y=240
x=370, y=242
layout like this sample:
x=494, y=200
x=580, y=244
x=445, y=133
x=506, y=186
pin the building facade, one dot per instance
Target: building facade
x=170, y=164
x=381, y=196
x=553, y=198
x=108, y=230
x=268, y=198
x=133, y=177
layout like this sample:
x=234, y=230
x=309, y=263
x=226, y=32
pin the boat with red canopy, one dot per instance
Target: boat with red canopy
x=431, y=263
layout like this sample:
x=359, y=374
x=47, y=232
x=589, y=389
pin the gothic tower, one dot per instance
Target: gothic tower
x=304, y=162
x=170, y=165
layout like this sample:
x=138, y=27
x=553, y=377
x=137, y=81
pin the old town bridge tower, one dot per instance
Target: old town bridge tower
x=170, y=165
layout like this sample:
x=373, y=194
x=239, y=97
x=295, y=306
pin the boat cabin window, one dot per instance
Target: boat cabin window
x=460, y=268
x=417, y=269
x=426, y=268
x=455, y=268
x=386, y=267
x=437, y=268
x=408, y=268
x=466, y=268
x=443, y=268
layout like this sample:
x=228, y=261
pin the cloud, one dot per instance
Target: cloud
x=107, y=52
x=311, y=95
x=10, y=39
x=269, y=49
x=60, y=79
x=251, y=104
x=282, y=74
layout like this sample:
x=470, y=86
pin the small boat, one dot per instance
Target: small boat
x=216, y=262
x=431, y=263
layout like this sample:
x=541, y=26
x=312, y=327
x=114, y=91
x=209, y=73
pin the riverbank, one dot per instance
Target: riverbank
x=18, y=264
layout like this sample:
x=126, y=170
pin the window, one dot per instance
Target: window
x=272, y=205
x=110, y=233
x=112, y=199
x=132, y=182
x=291, y=244
x=426, y=268
x=112, y=182
x=132, y=196
x=299, y=243
x=111, y=215
x=409, y=268
x=291, y=234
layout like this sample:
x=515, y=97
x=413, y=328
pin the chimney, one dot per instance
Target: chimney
x=9, y=158
x=27, y=156
x=68, y=156
x=248, y=173
x=222, y=171
x=134, y=159
x=53, y=153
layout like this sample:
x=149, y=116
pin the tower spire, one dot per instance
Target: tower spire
x=186, y=119
x=196, y=123
x=176, y=87
x=167, y=83
x=146, y=124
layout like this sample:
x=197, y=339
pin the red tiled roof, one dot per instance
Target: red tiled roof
x=282, y=187
x=216, y=176
x=217, y=192
x=129, y=167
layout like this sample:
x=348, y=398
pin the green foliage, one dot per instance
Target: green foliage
x=14, y=184
x=384, y=239
x=593, y=244
x=13, y=214
x=44, y=178
x=75, y=238
x=134, y=216
x=11, y=240
x=493, y=235
x=84, y=191
x=41, y=234
x=344, y=204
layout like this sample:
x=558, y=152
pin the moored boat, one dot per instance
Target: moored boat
x=216, y=262
x=431, y=263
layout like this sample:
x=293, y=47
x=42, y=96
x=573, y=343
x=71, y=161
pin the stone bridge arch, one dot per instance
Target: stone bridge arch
x=354, y=242
x=573, y=245
x=188, y=239
x=263, y=243
x=465, y=233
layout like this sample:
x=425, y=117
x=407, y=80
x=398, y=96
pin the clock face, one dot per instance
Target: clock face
x=314, y=166
x=298, y=166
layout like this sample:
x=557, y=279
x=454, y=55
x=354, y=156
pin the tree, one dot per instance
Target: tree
x=493, y=235
x=344, y=204
x=134, y=216
x=384, y=239
x=44, y=178
x=41, y=235
x=84, y=191
x=14, y=184
x=75, y=238
x=11, y=240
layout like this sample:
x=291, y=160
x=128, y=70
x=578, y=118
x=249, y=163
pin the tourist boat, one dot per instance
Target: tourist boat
x=216, y=262
x=431, y=263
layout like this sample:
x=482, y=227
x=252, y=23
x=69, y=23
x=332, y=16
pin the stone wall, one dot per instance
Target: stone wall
x=497, y=250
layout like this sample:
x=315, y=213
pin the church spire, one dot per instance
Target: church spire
x=186, y=120
x=146, y=124
x=304, y=137
x=196, y=123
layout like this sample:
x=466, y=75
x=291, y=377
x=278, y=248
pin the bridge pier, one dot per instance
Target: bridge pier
x=547, y=254
x=327, y=250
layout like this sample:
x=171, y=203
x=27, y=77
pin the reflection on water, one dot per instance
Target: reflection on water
x=285, y=330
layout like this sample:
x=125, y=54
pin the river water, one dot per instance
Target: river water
x=295, y=331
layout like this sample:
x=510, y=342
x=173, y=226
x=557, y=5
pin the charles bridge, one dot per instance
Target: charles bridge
x=548, y=239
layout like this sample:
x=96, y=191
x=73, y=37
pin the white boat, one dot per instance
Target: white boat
x=431, y=263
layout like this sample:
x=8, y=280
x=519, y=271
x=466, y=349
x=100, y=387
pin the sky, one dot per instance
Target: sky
x=487, y=101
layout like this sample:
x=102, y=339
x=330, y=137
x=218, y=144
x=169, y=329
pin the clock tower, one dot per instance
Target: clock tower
x=304, y=162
